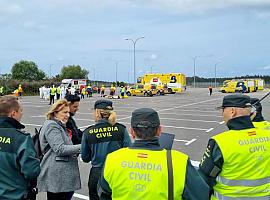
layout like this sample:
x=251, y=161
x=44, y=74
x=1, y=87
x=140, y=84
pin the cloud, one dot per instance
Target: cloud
x=10, y=8
x=266, y=67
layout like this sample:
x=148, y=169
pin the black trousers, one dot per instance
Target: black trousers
x=59, y=196
x=51, y=99
x=93, y=181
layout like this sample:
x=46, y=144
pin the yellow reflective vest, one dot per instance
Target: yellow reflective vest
x=53, y=91
x=262, y=125
x=143, y=174
x=245, y=173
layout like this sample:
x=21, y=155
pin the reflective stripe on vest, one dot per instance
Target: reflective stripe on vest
x=222, y=197
x=143, y=174
x=247, y=183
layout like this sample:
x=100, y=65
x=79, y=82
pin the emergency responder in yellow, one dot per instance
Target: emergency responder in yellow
x=1, y=90
x=58, y=92
x=257, y=117
x=236, y=162
x=20, y=91
x=141, y=171
x=112, y=90
x=52, y=94
x=122, y=91
x=102, y=91
x=83, y=92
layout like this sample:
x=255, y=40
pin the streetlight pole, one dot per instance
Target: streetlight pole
x=116, y=71
x=134, y=54
x=194, y=67
x=216, y=74
x=194, y=70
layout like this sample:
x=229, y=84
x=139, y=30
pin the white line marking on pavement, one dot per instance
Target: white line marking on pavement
x=206, y=111
x=177, y=107
x=190, y=115
x=181, y=127
x=32, y=124
x=34, y=106
x=222, y=122
x=188, y=104
x=35, y=116
x=176, y=127
x=209, y=130
x=195, y=163
x=80, y=196
x=79, y=119
x=191, y=120
x=187, y=142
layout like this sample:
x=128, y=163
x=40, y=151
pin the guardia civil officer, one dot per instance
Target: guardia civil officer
x=257, y=117
x=100, y=139
x=141, y=171
x=74, y=103
x=236, y=162
x=19, y=167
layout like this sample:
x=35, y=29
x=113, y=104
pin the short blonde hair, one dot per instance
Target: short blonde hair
x=56, y=107
x=107, y=114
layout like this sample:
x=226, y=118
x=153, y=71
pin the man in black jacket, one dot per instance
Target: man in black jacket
x=74, y=102
x=19, y=166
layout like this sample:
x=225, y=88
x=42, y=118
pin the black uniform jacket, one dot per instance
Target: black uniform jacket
x=76, y=133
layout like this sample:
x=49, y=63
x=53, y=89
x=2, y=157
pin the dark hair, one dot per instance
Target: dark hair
x=72, y=98
x=8, y=104
x=145, y=133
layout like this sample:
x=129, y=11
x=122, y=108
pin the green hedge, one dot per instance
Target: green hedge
x=29, y=88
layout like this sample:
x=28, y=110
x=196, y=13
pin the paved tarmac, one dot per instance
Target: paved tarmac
x=191, y=116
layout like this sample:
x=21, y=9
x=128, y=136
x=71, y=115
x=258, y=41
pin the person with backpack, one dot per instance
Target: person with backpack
x=60, y=175
x=19, y=166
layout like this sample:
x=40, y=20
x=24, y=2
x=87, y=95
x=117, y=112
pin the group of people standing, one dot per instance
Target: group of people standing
x=234, y=165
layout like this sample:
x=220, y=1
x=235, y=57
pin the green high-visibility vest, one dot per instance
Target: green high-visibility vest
x=245, y=173
x=143, y=174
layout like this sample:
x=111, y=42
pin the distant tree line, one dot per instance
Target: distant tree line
x=221, y=80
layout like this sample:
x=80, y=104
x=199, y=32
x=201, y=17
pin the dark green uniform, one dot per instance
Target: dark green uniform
x=19, y=167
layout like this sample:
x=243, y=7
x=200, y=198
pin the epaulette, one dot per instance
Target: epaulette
x=121, y=124
x=23, y=132
x=89, y=127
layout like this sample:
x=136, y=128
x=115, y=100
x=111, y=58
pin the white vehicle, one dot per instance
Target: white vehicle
x=78, y=84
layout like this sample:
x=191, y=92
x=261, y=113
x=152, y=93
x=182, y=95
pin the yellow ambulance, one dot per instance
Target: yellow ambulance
x=173, y=82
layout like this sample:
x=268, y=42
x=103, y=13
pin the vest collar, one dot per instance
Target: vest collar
x=240, y=123
x=8, y=122
x=258, y=117
x=151, y=144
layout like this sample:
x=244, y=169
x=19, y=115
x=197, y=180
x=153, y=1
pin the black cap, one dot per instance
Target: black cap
x=103, y=104
x=72, y=98
x=255, y=102
x=144, y=118
x=235, y=100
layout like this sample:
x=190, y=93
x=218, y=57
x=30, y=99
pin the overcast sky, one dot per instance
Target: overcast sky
x=91, y=33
